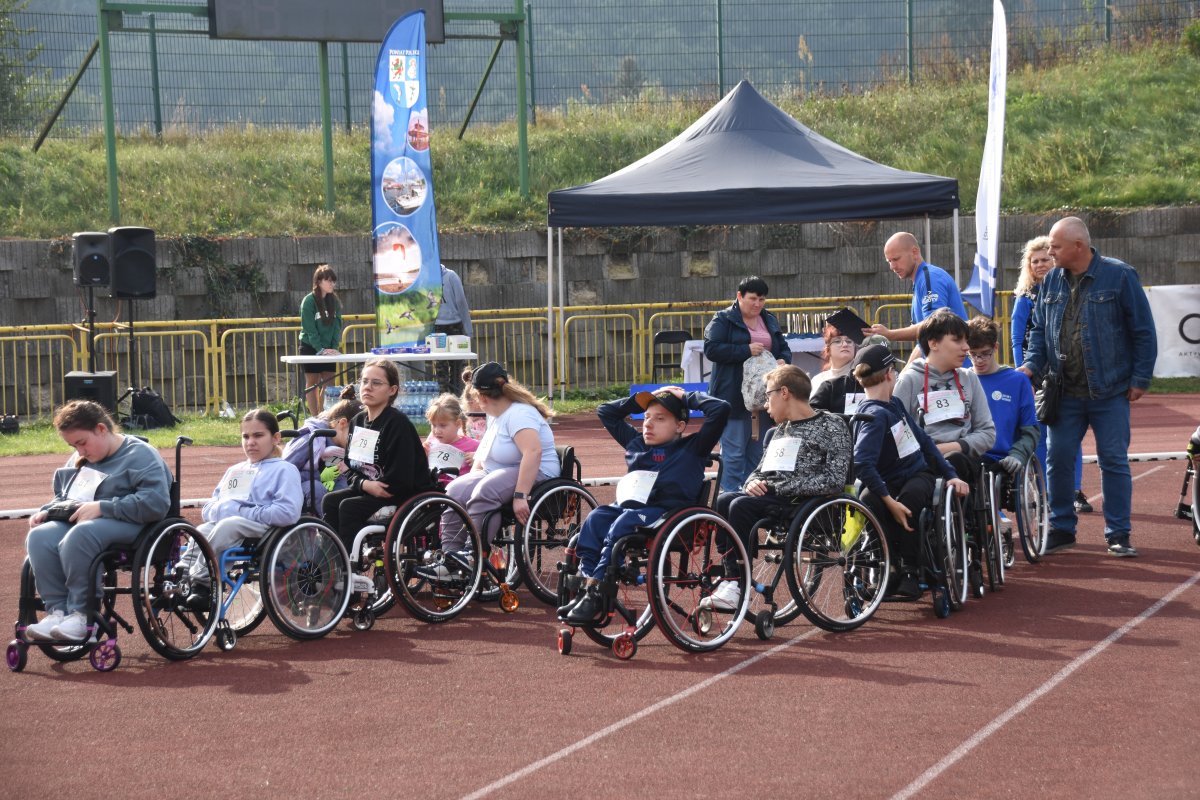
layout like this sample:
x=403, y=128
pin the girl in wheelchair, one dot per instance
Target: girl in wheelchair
x=110, y=489
x=252, y=497
x=666, y=471
x=897, y=463
x=322, y=462
x=449, y=447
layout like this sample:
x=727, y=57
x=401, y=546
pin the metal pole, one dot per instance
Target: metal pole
x=62, y=103
x=550, y=313
x=479, y=89
x=956, y=259
x=908, y=36
x=532, y=82
x=522, y=107
x=346, y=83
x=720, y=51
x=326, y=123
x=91, y=330
x=110, y=125
x=154, y=85
x=562, y=316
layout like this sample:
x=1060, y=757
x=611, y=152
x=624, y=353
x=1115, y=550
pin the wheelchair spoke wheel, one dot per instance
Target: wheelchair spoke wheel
x=246, y=610
x=952, y=532
x=556, y=514
x=838, y=564
x=994, y=540
x=631, y=602
x=371, y=564
x=1033, y=510
x=305, y=579
x=432, y=585
x=30, y=610
x=694, y=552
x=768, y=572
x=175, y=619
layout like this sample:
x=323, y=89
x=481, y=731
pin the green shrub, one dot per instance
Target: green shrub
x=1191, y=38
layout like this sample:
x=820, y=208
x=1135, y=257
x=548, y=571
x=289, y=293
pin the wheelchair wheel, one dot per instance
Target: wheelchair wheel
x=768, y=572
x=556, y=513
x=838, y=564
x=1032, y=509
x=246, y=611
x=432, y=585
x=305, y=580
x=950, y=530
x=993, y=540
x=1195, y=502
x=502, y=556
x=172, y=627
x=631, y=603
x=688, y=560
x=371, y=562
x=31, y=610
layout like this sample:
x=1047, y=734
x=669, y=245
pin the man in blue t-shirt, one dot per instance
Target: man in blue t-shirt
x=1009, y=395
x=933, y=288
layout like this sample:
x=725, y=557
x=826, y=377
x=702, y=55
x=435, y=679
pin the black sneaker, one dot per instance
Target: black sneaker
x=586, y=609
x=1121, y=548
x=200, y=599
x=908, y=587
x=1058, y=540
x=1082, y=506
x=565, y=609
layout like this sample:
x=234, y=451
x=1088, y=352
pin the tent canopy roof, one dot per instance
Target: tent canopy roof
x=747, y=162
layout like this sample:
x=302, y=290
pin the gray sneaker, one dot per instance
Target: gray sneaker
x=1121, y=548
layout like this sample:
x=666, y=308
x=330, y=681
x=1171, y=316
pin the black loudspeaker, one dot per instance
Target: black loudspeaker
x=133, y=264
x=100, y=387
x=90, y=255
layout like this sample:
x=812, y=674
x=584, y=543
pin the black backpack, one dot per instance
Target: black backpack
x=148, y=410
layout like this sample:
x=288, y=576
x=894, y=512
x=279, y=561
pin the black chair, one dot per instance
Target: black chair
x=666, y=339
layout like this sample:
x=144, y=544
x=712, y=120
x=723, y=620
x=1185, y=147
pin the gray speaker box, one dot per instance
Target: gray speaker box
x=90, y=258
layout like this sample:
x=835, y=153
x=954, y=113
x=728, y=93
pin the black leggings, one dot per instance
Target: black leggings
x=916, y=494
x=347, y=512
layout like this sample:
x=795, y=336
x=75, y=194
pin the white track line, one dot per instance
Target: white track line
x=983, y=733
x=635, y=717
x=1150, y=471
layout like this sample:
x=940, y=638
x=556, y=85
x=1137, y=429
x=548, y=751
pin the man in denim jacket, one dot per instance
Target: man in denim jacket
x=1093, y=326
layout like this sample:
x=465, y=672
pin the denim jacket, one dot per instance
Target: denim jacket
x=1119, y=342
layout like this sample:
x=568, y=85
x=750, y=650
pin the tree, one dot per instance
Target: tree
x=629, y=79
x=20, y=103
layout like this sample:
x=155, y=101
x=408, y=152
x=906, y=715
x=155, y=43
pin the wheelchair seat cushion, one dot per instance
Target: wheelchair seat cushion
x=382, y=516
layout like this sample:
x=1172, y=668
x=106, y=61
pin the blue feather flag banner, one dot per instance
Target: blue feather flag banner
x=407, y=267
x=981, y=291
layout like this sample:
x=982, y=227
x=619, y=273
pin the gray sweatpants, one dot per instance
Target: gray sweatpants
x=480, y=493
x=61, y=553
x=222, y=535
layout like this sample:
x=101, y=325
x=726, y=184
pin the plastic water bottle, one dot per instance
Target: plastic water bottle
x=332, y=394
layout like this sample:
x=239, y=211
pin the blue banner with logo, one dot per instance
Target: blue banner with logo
x=407, y=268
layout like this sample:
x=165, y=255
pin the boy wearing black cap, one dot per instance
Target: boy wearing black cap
x=896, y=461
x=666, y=470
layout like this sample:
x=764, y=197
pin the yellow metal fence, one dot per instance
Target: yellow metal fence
x=203, y=365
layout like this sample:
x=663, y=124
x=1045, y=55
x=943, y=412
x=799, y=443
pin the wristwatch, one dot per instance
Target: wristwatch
x=519, y=496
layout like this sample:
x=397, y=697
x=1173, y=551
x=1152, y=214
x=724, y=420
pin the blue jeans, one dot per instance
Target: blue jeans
x=601, y=531
x=1109, y=420
x=739, y=455
x=1041, y=454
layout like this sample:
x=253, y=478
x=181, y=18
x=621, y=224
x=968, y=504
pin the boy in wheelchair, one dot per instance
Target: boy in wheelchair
x=898, y=464
x=1010, y=399
x=666, y=471
x=806, y=455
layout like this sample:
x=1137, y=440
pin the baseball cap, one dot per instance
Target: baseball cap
x=675, y=406
x=875, y=356
x=849, y=324
x=489, y=376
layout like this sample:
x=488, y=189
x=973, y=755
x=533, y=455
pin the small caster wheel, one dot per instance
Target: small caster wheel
x=702, y=621
x=764, y=624
x=508, y=600
x=17, y=655
x=226, y=638
x=105, y=656
x=364, y=619
x=624, y=646
x=941, y=603
x=565, y=638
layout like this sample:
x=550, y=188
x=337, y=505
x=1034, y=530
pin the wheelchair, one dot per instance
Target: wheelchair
x=1189, y=506
x=298, y=576
x=680, y=558
x=942, y=552
x=989, y=553
x=1026, y=497
x=174, y=629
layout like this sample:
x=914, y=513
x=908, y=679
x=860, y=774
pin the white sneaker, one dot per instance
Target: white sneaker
x=362, y=584
x=73, y=628
x=44, y=631
x=727, y=597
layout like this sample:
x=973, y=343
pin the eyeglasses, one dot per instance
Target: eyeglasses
x=367, y=382
x=983, y=355
x=776, y=389
x=841, y=340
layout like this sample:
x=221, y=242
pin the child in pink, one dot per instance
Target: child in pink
x=449, y=447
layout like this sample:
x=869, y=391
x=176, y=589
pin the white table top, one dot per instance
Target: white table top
x=361, y=358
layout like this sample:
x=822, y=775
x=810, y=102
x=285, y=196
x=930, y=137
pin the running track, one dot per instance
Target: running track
x=1078, y=679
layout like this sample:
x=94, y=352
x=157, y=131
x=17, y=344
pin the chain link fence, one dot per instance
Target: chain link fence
x=169, y=77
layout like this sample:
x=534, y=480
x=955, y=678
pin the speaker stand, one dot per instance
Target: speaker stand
x=91, y=317
x=133, y=360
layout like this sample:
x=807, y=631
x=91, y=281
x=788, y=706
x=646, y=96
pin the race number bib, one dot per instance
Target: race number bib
x=906, y=443
x=362, y=445
x=446, y=457
x=781, y=456
x=853, y=401
x=944, y=405
x=83, y=488
x=238, y=482
x=636, y=486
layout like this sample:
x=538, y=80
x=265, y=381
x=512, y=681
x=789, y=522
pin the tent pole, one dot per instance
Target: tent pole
x=956, y=276
x=562, y=315
x=550, y=314
x=928, y=240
